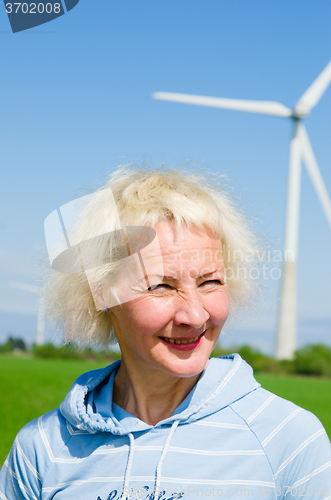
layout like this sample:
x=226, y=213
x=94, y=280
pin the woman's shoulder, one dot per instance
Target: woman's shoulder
x=42, y=437
x=46, y=435
x=33, y=452
x=51, y=422
x=271, y=414
x=293, y=439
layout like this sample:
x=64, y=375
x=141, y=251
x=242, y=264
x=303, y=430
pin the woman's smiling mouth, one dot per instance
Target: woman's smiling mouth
x=182, y=343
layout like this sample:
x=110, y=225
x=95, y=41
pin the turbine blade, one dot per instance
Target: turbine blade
x=261, y=107
x=314, y=172
x=313, y=94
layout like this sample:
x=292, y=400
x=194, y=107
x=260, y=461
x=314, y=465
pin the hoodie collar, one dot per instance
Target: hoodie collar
x=88, y=405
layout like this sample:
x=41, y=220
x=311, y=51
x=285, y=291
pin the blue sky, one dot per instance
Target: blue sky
x=76, y=102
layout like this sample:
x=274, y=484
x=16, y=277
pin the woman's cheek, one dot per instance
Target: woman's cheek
x=224, y=306
x=217, y=304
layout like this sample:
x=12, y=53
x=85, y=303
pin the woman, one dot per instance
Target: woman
x=157, y=257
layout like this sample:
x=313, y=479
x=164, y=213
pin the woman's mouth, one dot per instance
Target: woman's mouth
x=183, y=344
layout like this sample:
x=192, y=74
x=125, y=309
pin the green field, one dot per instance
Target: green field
x=32, y=386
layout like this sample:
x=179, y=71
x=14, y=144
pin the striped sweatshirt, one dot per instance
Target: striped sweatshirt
x=228, y=438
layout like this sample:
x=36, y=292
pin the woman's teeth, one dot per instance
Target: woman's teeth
x=177, y=341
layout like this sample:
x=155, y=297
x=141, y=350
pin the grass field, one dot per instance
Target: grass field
x=31, y=387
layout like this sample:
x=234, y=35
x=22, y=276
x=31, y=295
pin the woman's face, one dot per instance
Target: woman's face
x=173, y=326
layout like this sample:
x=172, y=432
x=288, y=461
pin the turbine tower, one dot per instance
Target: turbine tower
x=300, y=149
x=41, y=310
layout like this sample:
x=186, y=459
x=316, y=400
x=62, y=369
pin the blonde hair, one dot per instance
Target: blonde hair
x=144, y=197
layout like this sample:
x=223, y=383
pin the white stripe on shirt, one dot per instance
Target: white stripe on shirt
x=270, y=398
x=313, y=473
x=280, y=426
x=300, y=448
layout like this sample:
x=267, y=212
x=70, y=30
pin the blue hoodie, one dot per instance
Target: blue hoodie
x=228, y=438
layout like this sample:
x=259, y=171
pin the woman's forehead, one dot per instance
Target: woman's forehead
x=185, y=248
x=172, y=239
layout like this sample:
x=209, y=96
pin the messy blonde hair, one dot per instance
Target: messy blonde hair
x=144, y=197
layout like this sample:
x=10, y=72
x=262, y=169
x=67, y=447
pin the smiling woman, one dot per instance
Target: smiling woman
x=171, y=329
x=158, y=259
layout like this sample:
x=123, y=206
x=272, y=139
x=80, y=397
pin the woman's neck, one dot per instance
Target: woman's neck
x=151, y=397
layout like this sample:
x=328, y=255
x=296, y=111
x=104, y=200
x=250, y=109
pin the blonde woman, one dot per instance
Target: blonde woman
x=157, y=259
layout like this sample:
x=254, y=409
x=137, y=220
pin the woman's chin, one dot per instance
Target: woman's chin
x=184, y=368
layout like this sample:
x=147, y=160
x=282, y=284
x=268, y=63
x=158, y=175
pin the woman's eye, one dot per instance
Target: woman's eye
x=212, y=282
x=160, y=286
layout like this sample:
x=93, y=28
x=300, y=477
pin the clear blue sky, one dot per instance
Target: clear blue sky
x=76, y=102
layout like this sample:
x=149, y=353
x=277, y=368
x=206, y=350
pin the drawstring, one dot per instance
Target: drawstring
x=125, y=492
x=162, y=457
x=128, y=468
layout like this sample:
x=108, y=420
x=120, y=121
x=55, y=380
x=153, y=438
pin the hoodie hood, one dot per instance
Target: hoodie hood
x=88, y=405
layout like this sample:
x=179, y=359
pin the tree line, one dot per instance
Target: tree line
x=312, y=359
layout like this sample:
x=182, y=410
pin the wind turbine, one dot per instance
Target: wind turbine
x=41, y=310
x=300, y=149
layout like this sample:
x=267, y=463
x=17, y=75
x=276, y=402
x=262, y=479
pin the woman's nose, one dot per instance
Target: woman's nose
x=191, y=311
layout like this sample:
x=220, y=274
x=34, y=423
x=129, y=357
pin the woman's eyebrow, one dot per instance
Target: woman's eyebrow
x=207, y=275
x=154, y=277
